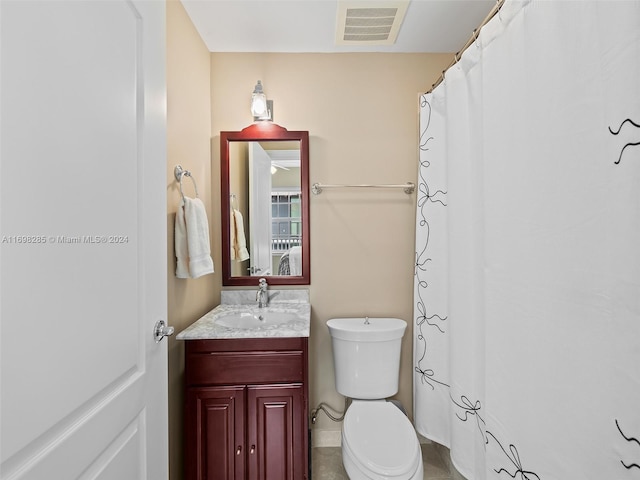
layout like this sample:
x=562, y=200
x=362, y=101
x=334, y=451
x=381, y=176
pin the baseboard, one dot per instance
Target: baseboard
x=326, y=438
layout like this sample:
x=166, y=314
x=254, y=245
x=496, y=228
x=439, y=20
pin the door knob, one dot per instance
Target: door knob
x=161, y=330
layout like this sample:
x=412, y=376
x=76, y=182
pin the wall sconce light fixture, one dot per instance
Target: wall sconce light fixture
x=261, y=108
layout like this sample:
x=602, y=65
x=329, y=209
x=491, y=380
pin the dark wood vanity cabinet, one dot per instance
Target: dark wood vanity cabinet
x=246, y=409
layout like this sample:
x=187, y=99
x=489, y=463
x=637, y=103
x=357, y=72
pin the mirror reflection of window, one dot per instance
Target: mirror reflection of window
x=286, y=229
x=285, y=221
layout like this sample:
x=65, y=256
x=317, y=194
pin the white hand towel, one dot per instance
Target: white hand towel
x=295, y=261
x=240, y=242
x=200, y=261
x=180, y=241
x=232, y=236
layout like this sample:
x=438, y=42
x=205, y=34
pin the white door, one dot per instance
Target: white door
x=83, y=384
x=260, y=209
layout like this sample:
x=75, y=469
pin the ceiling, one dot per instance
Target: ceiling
x=309, y=26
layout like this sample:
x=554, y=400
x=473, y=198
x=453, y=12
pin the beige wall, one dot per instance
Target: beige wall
x=361, y=111
x=188, y=144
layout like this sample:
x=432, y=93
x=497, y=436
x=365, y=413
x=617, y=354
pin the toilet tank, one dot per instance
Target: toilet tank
x=366, y=355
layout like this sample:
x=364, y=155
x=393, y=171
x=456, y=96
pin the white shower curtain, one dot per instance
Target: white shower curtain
x=527, y=276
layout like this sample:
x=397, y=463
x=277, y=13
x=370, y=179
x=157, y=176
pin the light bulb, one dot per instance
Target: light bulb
x=259, y=105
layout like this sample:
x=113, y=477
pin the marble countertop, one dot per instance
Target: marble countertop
x=283, y=301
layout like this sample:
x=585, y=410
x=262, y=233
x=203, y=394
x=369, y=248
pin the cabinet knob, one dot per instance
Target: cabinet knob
x=239, y=450
x=253, y=449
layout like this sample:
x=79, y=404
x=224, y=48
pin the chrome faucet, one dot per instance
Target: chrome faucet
x=262, y=296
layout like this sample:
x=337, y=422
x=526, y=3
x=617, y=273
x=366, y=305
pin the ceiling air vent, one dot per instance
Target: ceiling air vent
x=369, y=23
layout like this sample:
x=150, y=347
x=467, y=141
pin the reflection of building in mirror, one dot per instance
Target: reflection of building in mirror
x=286, y=231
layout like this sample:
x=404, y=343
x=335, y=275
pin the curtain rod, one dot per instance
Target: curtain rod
x=474, y=36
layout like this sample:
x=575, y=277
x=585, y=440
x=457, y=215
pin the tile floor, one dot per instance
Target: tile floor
x=326, y=464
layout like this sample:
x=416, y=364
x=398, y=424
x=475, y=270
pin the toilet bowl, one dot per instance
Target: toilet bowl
x=378, y=440
x=379, y=443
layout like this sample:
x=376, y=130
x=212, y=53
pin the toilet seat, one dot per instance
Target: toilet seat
x=380, y=440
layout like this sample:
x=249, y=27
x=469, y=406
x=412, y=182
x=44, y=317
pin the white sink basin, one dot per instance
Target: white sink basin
x=258, y=318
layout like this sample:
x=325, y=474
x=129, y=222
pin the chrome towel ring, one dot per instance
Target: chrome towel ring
x=180, y=173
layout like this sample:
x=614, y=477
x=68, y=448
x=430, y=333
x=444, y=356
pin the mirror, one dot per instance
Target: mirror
x=265, y=205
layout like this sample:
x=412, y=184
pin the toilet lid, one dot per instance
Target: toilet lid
x=381, y=438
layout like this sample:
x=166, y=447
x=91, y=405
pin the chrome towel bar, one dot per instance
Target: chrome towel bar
x=408, y=187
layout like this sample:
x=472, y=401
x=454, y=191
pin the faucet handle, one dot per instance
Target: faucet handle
x=262, y=283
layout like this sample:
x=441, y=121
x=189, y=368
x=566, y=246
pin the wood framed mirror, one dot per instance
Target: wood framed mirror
x=265, y=205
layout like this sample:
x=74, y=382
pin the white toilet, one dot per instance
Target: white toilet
x=378, y=440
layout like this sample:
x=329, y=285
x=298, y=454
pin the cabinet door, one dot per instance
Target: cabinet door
x=214, y=433
x=276, y=431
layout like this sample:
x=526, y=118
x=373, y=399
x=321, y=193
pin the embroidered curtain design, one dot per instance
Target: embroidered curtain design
x=527, y=275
